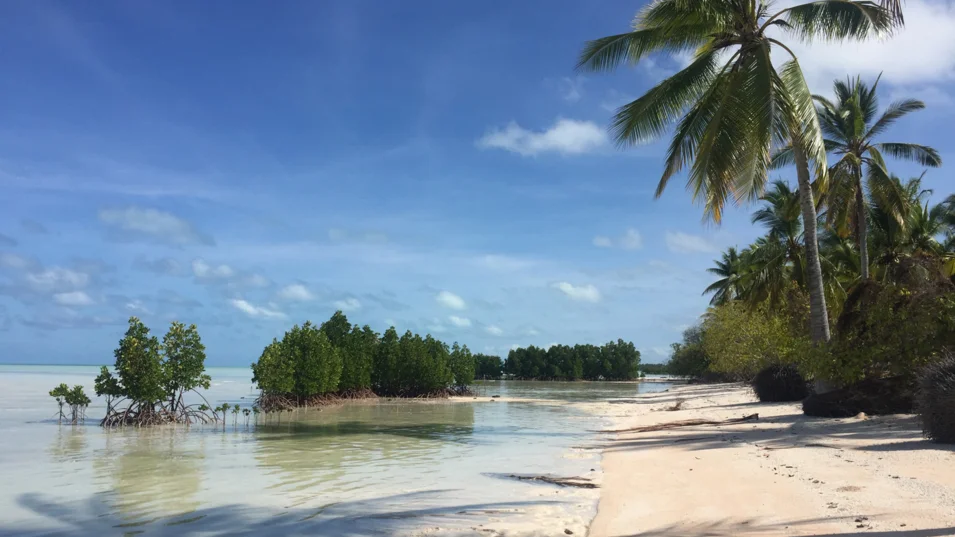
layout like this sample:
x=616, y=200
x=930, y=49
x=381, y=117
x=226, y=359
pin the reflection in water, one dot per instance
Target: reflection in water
x=320, y=454
x=365, y=468
x=150, y=473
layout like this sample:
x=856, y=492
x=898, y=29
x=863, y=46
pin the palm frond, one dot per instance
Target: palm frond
x=804, y=121
x=892, y=113
x=838, y=19
x=649, y=116
x=924, y=155
x=607, y=53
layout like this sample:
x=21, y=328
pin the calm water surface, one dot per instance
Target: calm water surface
x=372, y=468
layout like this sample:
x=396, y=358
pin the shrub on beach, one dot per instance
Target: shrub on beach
x=935, y=400
x=874, y=396
x=740, y=340
x=778, y=383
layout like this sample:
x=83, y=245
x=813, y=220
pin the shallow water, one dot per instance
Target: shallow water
x=369, y=468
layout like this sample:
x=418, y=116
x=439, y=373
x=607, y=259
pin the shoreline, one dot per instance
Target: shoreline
x=785, y=474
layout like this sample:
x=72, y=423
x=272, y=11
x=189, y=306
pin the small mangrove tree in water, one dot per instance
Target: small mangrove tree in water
x=75, y=398
x=152, y=377
x=314, y=364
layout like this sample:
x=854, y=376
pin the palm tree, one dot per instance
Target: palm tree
x=780, y=214
x=732, y=103
x=850, y=134
x=729, y=270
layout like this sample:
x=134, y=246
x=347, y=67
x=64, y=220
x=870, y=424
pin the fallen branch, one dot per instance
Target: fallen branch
x=578, y=482
x=683, y=423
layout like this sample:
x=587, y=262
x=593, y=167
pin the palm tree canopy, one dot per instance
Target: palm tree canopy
x=731, y=105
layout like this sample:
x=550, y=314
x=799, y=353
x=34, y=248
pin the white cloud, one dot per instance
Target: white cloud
x=205, y=271
x=494, y=330
x=137, y=306
x=460, y=322
x=631, y=240
x=571, y=89
x=532, y=332
x=255, y=311
x=296, y=292
x=684, y=243
x=450, y=300
x=567, y=137
x=256, y=280
x=73, y=298
x=348, y=304
x=515, y=346
x=56, y=279
x=602, y=242
x=583, y=293
x=922, y=52
x=155, y=224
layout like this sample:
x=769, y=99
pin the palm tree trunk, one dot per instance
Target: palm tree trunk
x=863, y=232
x=818, y=314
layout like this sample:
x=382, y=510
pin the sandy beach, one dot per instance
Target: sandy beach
x=785, y=474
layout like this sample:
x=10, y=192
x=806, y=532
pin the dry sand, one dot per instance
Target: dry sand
x=785, y=474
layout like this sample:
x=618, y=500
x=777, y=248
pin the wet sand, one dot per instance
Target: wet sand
x=785, y=474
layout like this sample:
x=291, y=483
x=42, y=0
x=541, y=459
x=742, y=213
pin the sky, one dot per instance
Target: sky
x=436, y=166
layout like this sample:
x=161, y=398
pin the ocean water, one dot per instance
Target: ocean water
x=381, y=467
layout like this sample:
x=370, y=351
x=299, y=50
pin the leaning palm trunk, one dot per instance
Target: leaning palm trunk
x=818, y=314
x=862, y=226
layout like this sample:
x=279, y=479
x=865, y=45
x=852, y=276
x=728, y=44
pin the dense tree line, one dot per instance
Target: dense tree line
x=338, y=359
x=617, y=360
x=653, y=369
x=488, y=367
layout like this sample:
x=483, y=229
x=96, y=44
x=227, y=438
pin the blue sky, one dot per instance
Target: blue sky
x=434, y=165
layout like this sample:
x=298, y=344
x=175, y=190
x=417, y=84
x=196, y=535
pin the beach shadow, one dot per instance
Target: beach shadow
x=730, y=528
x=786, y=431
x=383, y=516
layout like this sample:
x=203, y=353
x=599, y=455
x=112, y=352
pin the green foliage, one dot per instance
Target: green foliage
x=274, y=373
x=107, y=385
x=337, y=329
x=462, y=365
x=139, y=365
x=740, y=340
x=385, y=375
x=780, y=383
x=889, y=330
x=75, y=398
x=318, y=365
x=488, y=367
x=184, y=365
x=358, y=355
x=653, y=369
x=616, y=360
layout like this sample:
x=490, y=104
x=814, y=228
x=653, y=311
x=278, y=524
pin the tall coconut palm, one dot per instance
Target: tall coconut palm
x=780, y=215
x=851, y=127
x=731, y=104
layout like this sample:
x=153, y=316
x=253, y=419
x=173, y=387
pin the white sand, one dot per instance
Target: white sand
x=786, y=474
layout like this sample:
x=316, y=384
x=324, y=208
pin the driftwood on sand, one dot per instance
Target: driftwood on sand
x=577, y=482
x=683, y=423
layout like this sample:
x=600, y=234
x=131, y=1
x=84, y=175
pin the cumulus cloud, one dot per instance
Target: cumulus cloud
x=204, y=271
x=582, y=293
x=460, y=322
x=921, y=52
x=567, y=137
x=56, y=279
x=494, y=330
x=137, y=306
x=73, y=298
x=450, y=300
x=255, y=311
x=630, y=240
x=684, y=243
x=296, y=292
x=7, y=241
x=152, y=224
x=348, y=304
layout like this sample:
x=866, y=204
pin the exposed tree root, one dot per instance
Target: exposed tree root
x=683, y=423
